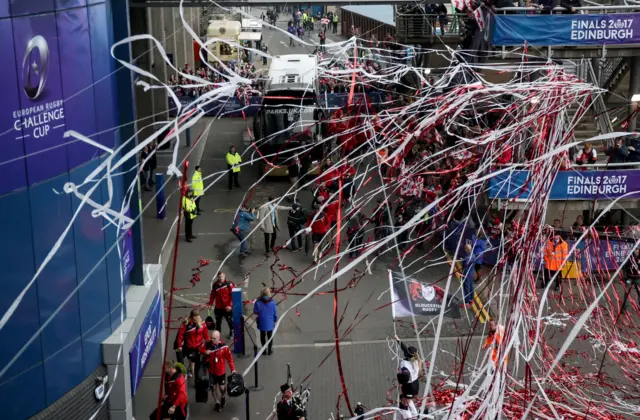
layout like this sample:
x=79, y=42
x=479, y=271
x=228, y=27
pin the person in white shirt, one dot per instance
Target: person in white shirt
x=412, y=364
x=587, y=155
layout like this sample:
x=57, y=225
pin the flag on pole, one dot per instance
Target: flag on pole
x=413, y=297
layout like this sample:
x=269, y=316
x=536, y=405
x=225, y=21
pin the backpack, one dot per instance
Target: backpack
x=210, y=323
x=235, y=385
x=404, y=376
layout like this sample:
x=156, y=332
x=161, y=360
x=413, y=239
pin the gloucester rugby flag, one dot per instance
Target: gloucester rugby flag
x=412, y=297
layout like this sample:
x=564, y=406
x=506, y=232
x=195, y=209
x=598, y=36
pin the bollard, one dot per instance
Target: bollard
x=161, y=211
x=255, y=387
x=188, y=136
x=246, y=404
x=238, y=342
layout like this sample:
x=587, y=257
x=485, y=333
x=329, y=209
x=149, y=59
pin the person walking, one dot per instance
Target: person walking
x=267, y=315
x=233, y=165
x=145, y=161
x=318, y=229
x=335, y=23
x=176, y=401
x=555, y=253
x=153, y=161
x=190, y=213
x=292, y=30
x=355, y=233
x=323, y=38
x=220, y=298
x=295, y=223
x=241, y=228
x=197, y=185
x=193, y=334
x=217, y=356
x=468, y=275
x=479, y=248
x=270, y=223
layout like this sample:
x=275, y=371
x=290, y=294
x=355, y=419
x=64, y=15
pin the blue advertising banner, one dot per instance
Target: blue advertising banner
x=145, y=342
x=570, y=185
x=593, y=255
x=46, y=79
x=559, y=30
x=41, y=112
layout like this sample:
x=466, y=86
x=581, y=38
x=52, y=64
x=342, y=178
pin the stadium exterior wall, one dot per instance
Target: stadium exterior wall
x=57, y=74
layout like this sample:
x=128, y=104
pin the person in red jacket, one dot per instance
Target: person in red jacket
x=191, y=336
x=175, y=399
x=332, y=212
x=318, y=229
x=221, y=298
x=216, y=354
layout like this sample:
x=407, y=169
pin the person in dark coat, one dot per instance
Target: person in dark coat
x=468, y=274
x=618, y=153
x=355, y=233
x=290, y=407
x=570, y=5
x=295, y=222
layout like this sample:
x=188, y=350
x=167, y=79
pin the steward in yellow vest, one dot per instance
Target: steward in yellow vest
x=189, y=211
x=197, y=185
x=233, y=164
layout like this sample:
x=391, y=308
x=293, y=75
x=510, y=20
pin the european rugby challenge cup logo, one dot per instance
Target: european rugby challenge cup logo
x=35, y=65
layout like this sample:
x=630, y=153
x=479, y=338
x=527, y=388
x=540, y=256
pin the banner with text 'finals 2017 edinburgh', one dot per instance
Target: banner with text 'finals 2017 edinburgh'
x=559, y=30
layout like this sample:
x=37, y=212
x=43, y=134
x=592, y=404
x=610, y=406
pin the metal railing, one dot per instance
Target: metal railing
x=423, y=26
x=603, y=120
x=608, y=70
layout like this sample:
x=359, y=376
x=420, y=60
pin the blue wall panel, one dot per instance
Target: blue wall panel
x=73, y=33
x=115, y=280
x=50, y=215
x=92, y=344
x=4, y=8
x=102, y=69
x=90, y=247
x=13, y=171
x=63, y=371
x=23, y=395
x=18, y=266
x=65, y=4
x=33, y=218
x=27, y=7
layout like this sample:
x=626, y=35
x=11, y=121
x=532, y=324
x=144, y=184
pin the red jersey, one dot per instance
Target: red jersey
x=332, y=211
x=320, y=226
x=215, y=356
x=176, y=390
x=192, y=335
x=221, y=294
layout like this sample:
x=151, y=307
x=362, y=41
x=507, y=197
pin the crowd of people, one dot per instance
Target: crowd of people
x=216, y=76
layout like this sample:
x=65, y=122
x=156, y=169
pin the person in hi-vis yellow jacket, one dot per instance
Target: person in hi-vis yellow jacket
x=233, y=164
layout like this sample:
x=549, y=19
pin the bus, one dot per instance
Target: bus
x=289, y=109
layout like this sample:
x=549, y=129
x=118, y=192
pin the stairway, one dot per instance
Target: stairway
x=613, y=73
x=587, y=128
